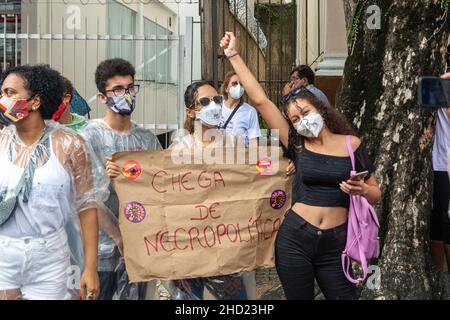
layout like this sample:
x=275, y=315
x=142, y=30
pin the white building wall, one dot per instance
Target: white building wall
x=158, y=104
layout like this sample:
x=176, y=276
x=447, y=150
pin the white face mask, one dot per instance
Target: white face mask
x=210, y=115
x=236, y=92
x=310, y=126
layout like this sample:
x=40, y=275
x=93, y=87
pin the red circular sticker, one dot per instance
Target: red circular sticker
x=264, y=166
x=278, y=199
x=131, y=170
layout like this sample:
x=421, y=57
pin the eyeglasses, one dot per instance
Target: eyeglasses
x=119, y=92
x=291, y=95
x=205, y=101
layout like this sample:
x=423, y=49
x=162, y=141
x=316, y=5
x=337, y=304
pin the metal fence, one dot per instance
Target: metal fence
x=267, y=39
x=75, y=36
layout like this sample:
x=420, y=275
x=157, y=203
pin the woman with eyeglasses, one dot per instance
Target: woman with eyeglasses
x=312, y=236
x=203, y=114
x=238, y=118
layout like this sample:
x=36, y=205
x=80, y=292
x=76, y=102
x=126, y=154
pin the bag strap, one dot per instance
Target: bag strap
x=26, y=180
x=231, y=116
x=346, y=261
x=350, y=151
x=353, y=224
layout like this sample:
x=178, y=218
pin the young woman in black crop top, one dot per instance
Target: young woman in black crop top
x=313, y=235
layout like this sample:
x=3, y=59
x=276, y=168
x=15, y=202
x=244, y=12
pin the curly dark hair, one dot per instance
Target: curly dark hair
x=42, y=81
x=111, y=68
x=190, y=96
x=68, y=88
x=335, y=121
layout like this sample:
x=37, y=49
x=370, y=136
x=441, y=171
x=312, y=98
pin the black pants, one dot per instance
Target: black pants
x=108, y=285
x=440, y=221
x=304, y=253
x=112, y=282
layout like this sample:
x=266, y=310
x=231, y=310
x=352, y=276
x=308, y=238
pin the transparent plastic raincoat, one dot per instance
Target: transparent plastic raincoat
x=105, y=142
x=66, y=182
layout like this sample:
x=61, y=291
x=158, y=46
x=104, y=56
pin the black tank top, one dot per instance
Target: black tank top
x=318, y=176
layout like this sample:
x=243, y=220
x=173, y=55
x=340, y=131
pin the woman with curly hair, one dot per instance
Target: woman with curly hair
x=46, y=177
x=312, y=236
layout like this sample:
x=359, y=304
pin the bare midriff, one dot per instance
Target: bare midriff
x=321, y=217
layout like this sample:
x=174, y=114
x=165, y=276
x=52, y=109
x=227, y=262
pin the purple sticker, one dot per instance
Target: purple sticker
x=135, y=212
x=278, y=199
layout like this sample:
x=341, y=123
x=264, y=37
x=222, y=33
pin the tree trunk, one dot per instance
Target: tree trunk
x=379, y=94
x=349, y=8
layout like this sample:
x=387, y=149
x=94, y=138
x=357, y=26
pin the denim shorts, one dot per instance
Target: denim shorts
x=38, y=267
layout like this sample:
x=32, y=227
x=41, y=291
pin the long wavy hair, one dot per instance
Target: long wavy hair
x=334, y=120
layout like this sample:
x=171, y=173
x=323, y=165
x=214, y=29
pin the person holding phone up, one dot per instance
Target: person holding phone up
x=313, y=234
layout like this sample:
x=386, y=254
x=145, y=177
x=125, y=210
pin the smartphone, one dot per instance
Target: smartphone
x=434, y=92
x=359, y=176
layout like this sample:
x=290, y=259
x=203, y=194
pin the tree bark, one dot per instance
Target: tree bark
x=379, y=95
x=349, y=8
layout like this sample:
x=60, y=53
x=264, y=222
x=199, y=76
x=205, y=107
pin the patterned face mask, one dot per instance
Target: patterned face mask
x=14, y=110
x=4, y=120
x=58, y=114
x=123, y=105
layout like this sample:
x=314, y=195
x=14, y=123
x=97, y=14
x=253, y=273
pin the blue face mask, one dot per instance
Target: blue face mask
x=123, y=105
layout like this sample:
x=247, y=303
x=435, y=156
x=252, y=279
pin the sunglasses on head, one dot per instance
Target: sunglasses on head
x=291, y=95
x=205, y=101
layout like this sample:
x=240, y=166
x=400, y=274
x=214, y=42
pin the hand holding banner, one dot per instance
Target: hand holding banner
x=198, y=220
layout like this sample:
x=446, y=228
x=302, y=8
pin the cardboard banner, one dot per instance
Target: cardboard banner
x=183, y=221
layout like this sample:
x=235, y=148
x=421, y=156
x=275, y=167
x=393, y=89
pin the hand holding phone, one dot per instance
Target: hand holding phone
x=359, y=176
x=434, y=92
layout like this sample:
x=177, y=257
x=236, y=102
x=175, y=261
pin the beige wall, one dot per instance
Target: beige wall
x=335, y=40
x=330, y=38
